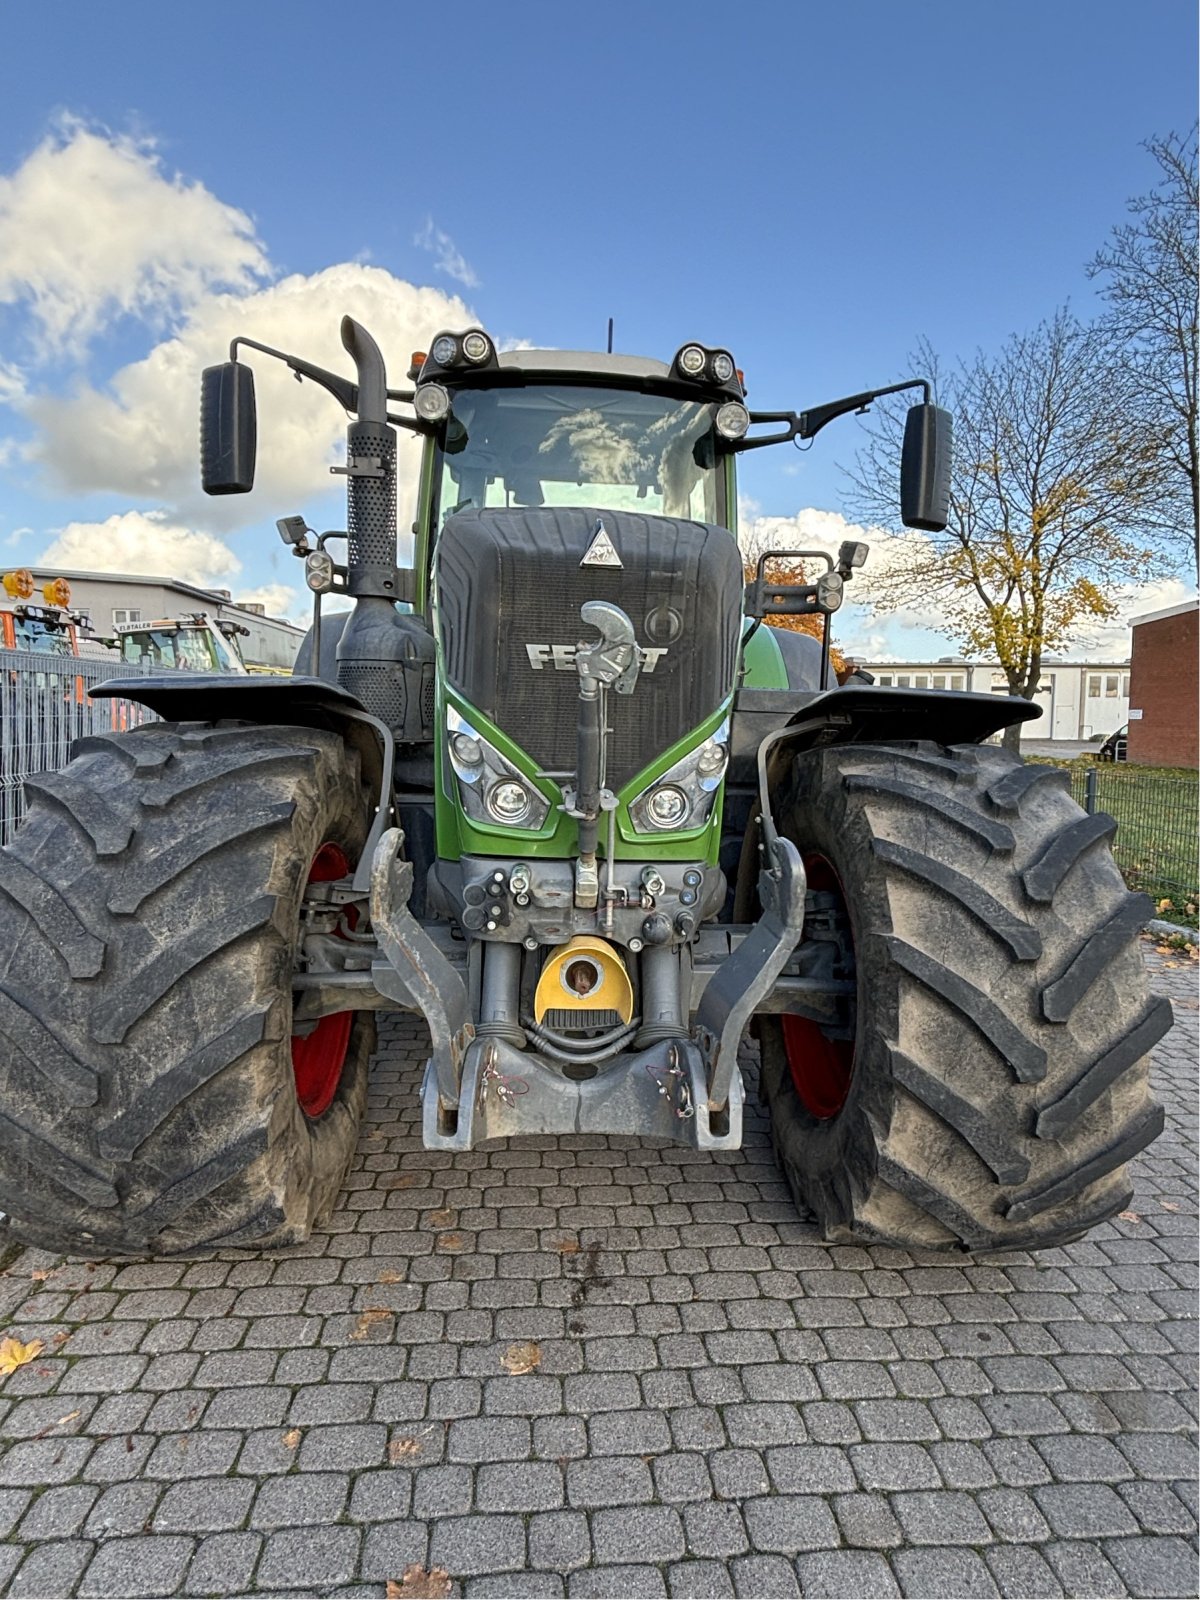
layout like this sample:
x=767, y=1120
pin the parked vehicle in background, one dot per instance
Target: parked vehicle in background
x=50, y=628
x=194, y=643
x=1114, y=747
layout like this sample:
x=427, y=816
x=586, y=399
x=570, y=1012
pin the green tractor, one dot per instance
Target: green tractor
x=557, y=790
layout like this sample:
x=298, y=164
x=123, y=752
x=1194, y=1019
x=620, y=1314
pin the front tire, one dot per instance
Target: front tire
x=150, y=916
x=998, y=1080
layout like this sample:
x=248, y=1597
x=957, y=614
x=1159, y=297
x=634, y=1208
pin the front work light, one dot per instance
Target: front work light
x=318, y=572
x=692, y=361
x=722, y=366
x=732, y=420
x=477, y=347
x=444, y=350
x=432, y=402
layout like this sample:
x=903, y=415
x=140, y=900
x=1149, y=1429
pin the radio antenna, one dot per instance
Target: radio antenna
x=610, y=335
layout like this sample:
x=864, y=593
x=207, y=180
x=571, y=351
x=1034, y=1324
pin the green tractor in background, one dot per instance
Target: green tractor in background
x=557, y=790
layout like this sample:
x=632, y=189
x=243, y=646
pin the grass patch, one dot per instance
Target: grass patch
x=1158, y=825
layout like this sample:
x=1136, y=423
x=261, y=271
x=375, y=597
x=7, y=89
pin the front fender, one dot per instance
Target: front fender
x=285, y=701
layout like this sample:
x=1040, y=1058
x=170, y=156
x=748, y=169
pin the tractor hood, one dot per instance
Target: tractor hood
x=510, y=584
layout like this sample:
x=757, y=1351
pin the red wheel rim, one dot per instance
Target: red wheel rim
x=821, y=1068
x=319, y=1057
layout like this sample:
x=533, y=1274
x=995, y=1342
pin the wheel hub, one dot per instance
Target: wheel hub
x=319, y=1057
x=821, y=1067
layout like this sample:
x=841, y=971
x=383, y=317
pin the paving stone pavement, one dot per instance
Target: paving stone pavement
x=724, y=1405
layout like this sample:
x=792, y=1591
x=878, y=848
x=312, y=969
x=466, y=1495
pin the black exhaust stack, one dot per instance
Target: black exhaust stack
x=385, y=659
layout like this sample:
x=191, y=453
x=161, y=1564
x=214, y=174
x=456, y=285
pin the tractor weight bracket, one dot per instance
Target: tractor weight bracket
x=741, y=983
x=415, y=974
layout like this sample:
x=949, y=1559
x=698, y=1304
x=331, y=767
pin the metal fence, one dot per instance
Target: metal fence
x=1157, y=818
x=44, y=708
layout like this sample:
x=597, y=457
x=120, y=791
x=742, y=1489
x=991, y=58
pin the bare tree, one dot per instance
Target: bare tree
x=1149, y=278
x=1051, y=493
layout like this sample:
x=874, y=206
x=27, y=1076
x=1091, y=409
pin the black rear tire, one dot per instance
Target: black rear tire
x=1000, y=1080
x=149, y=915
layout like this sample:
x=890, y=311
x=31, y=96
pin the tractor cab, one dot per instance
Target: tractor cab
x=193, y=643
x=50, y=628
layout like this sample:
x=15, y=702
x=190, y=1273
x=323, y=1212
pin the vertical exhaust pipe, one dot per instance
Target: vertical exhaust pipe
x=367, y=665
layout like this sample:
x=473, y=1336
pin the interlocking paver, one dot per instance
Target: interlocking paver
x=723, y=1403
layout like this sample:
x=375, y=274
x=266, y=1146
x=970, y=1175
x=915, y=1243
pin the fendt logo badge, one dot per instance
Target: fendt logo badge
x=602, y=552
x=562, y=656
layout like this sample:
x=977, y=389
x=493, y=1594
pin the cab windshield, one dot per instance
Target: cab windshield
x=47, y=639
x=568, y=445
x=187, y=649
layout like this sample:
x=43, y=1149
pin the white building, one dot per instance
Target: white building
x=1079, y=700
x=111, y=598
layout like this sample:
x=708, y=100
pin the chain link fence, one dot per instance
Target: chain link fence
x=1157, y=814
x=44, y=708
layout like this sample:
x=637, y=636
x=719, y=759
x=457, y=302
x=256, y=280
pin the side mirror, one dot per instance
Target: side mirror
x=925, y=468
x=228, y=429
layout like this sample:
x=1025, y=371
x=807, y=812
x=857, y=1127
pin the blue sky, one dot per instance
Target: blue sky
x=815, y=187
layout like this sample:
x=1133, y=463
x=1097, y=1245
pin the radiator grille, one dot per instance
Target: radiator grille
x=511, y=580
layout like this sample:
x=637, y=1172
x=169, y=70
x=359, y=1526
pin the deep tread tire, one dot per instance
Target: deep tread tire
x=149, y=914
x=1001, y=1079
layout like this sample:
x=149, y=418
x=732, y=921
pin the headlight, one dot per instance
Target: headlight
x=490, y=788
x=722, y=366
x=667, y=806
x=508, y=801
x=683, y=796
x=692, y=360
x=444, y=350
x=477, y=347
x=431, y=402
x=318, y=572
x=732, y=420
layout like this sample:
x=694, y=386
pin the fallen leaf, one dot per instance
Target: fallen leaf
x=440, y=1219
x=419, y=1584
x=450, y=1242
x=40, y=1274
x=565, y=1247
x=1169, y=1205
x=14, y=1354
x=391, y=1277
x=366, y=1319
x=399, y=1180
x=291, y=1438
x=1129, y=1216
x=521, y=1358
x=401, y=1449
x=61, y=1338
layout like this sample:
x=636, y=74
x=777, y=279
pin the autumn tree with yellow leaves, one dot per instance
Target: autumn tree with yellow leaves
x=1053, y=493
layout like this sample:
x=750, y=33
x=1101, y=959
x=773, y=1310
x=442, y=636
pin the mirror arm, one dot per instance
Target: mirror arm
x=342, y=390
x=807, y=424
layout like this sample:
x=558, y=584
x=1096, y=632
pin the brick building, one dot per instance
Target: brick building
x=1163, y=691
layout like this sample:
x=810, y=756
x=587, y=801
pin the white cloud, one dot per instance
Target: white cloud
x=146, y=542
x=277, y=599
x=12, y=384
x=448, y=257
x=138, y=436
x=92, y=227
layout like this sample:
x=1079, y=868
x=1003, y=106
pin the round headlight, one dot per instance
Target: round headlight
x=722, y=366
x=667, y=806
x=444, y=350
x=431, y=402
x=692, y=360
x=467, y=749
x=477, y=347
x=710, y=763
x=508, y=800
x=732, y=420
